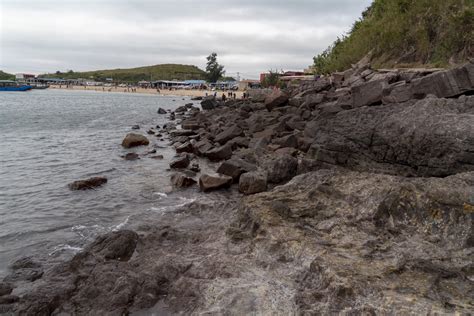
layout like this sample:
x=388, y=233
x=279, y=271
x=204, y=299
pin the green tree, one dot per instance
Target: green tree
x=214, y=71
x=272, y=79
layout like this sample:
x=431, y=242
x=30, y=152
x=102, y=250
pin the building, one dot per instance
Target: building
x=249, y=84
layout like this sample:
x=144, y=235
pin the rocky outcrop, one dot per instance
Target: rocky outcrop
x=396, y=234
x=180, y=162
x=133, y=140
x=430, y=137
x=235, y=167
x=209, y=103
x=182, y=181
x=87, y=184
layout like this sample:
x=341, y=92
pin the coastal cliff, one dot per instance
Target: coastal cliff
x=356, y=196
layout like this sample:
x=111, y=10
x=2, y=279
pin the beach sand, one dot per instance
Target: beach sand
x=181, y=92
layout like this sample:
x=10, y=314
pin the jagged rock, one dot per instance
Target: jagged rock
x=201, y=147
x=368, y=93
x=190, y=125
x=228, y=134
x=5, y=288
x=180, y=162
x=234, y=167
x=87, y=184
x=150, y=132
x=209, y=103
x=280, y=168
x=181, y=109
x=220, y=153
x=287, y=141
x=133, y=140
x=131, y=156
x=136, y=127
x=275, y=99
x=161, y=111
x=195, y=167
x=8, y=299
x=209, y=183
x=182, y=132
x=432, y=137
x=182, y=181
x=187, y=147
x=253, y=182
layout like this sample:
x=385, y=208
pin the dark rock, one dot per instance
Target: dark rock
x=220, y=153
x=5, y=288
x=201, y=147
x=209, y=103
x=88, y=183
x=136, y=127
x=185, y=148
x=157, y=157
x=190, y=125
x=182, y=181
x=209, y=183
x=275, y=99
x=196, y=98
x=131, y=156
x=133, y=140
x=182, y=132
x=9, y=299
x=234, y=167
x=150, y=132
x=180, y=162
x=24, y=274
x=280, y=168
x=287, y=141
x=228, y=134
x=118, y=245
x=188, y=105
x=432, y=137
x=181, y=109
x=25, y=263
x=368, y=93
x=161, y=111
x=253, y=182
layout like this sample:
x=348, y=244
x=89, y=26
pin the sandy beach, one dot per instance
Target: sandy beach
x=180, y=92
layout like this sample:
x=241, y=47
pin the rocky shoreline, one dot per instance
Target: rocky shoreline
x=350, y=194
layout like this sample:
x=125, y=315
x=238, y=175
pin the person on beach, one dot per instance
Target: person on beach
x=223, y=97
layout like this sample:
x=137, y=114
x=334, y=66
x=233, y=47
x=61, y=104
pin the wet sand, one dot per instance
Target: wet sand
x=180, y=92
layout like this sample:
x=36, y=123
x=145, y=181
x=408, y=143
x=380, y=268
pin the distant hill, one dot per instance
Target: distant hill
x=6, y=76
x=405, y=33
x=157, y=72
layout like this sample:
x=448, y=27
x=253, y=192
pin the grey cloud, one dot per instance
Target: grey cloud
x=249, y=36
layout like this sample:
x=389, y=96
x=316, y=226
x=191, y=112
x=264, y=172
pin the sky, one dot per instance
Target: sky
x=249, y=36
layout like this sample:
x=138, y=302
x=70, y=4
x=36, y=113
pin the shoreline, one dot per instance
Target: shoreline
x=163, y=92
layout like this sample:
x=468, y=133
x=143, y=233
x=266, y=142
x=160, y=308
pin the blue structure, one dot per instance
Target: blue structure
x=9, y=85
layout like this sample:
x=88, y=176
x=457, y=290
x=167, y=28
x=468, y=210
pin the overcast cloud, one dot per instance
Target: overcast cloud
x=249, y=36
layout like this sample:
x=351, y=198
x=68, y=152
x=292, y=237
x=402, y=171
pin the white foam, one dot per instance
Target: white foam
x=120, y=225
x=65, y=247
x=161, y=194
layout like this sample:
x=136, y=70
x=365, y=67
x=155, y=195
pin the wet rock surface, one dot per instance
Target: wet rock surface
x=87, y=184
x=133, y=140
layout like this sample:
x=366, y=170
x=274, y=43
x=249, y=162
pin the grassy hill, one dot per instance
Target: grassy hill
x=405, y=33
x=157, y=72
x=6, y=76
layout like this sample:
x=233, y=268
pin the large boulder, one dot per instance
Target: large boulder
x=280, y=168
x=209, y=103
x=118, y=245
x=87, y=184
x=275, y=99
x=133, y=140
x=228, y=134
x=253, y=182
x=219, y=153
x=234, y=167
x=209, y=183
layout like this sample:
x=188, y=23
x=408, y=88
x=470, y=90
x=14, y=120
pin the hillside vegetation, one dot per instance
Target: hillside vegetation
x=405, y=33
x=6, y=76
x=157, y=72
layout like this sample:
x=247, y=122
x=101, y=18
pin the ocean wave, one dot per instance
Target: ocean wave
x=64, y=247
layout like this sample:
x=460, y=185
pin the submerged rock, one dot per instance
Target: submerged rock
x=182, y=181
x=161, y=111
x=88, y=183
